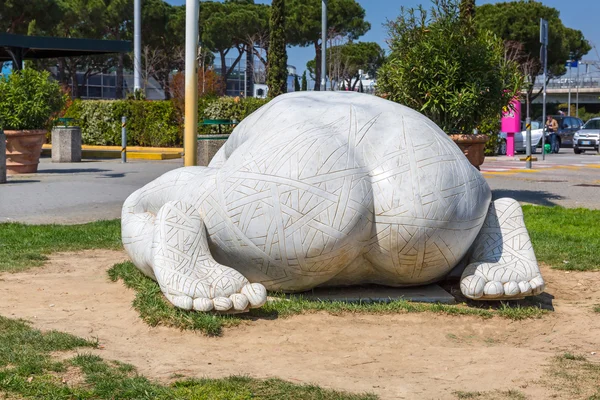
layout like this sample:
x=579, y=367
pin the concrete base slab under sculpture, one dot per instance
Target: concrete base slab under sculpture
x=66, y=144
x=379, y=294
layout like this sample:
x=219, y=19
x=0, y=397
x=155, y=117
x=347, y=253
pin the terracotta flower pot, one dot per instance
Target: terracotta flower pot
x=23, y=149
x=473, y=147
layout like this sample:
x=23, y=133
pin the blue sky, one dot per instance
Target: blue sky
x=578, y=14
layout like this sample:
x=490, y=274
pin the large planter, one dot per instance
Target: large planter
x=473, y=147
x=23, y=149
x=208, y=145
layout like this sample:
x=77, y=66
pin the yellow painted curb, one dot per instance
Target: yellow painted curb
x=129, y=148
x=134, y=152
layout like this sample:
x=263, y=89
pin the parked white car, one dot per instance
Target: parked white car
x=588, y=137
x=521, y=139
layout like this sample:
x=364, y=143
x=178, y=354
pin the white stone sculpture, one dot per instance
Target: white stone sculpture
x=327, y=188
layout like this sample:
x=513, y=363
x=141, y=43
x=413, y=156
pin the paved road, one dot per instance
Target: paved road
x=92, y=190
x=563, y=179
x=76, y=192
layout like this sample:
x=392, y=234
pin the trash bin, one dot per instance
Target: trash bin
x=66, y=142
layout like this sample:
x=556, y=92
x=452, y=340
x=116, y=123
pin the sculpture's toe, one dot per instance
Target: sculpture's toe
x=472, y=286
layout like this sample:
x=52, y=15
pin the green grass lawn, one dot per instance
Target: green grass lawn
x=28, y=371
x=24, y=246
x=558, y=235
x=155, y=310
x=567, y=239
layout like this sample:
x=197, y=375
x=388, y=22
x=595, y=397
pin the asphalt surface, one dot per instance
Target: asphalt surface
x=72, y=193
x=94, y=190
x=563, y=179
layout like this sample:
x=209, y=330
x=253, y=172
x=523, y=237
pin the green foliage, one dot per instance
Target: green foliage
x=233, y=24
x=519, y=21
x=304, y=85
x=440, y=67
x=149, y=123
x=29, y=99
x=277, y=60
x=232, y=108
x=345, y=61
x=296, y=83
x=303, y=24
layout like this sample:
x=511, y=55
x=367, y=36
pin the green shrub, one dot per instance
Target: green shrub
x=149, y=123
x=442, y=67
x=232, y=108
x=29, y=99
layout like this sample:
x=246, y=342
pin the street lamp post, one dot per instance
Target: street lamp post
x=191, y=83
x=137, y=44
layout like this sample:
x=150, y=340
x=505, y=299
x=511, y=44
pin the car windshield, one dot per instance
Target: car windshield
x=534, y=125
x=592, y=124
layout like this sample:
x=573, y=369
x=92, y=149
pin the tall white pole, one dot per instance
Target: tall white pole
x=577, y=97
x=569, y=112
x=191, y=83
x=137, y=44
x=544, y=57
x=323, y=44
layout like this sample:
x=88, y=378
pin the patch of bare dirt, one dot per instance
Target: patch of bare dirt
x=408, y=356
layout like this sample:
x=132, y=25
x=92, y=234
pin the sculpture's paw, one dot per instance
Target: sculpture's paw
x=489, y=281
x=186, y=272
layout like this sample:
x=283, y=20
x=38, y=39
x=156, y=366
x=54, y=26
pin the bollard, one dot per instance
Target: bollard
x=2, y=156
x=528, y=154
x=123, y=140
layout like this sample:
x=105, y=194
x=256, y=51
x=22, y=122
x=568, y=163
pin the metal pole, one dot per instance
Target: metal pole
x=123, y=140
x=528, y=154
x=2, y=156
x=137, y=44
x=569, y=112
x=191, y=83
x=544, y=41
x=577, y=97
x=323, y=44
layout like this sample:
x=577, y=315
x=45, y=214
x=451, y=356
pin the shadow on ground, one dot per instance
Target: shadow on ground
x=537, y=197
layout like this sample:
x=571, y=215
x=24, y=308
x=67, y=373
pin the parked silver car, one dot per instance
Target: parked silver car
x=588, y=137
x=521, y=139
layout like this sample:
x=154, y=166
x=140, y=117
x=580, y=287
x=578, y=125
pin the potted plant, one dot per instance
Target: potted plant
x=454, y=74
x=28, y=100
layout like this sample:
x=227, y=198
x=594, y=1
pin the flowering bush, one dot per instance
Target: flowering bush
x=443, y=67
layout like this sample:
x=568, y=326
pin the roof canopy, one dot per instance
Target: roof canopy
x=17, y=48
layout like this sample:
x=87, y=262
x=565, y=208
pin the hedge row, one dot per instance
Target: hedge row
x=150, y=123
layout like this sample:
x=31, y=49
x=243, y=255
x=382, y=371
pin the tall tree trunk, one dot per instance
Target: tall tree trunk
x=62, y=73
x=277, y=75
x=223, y=68
x=317, y=66
x=250, y=70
